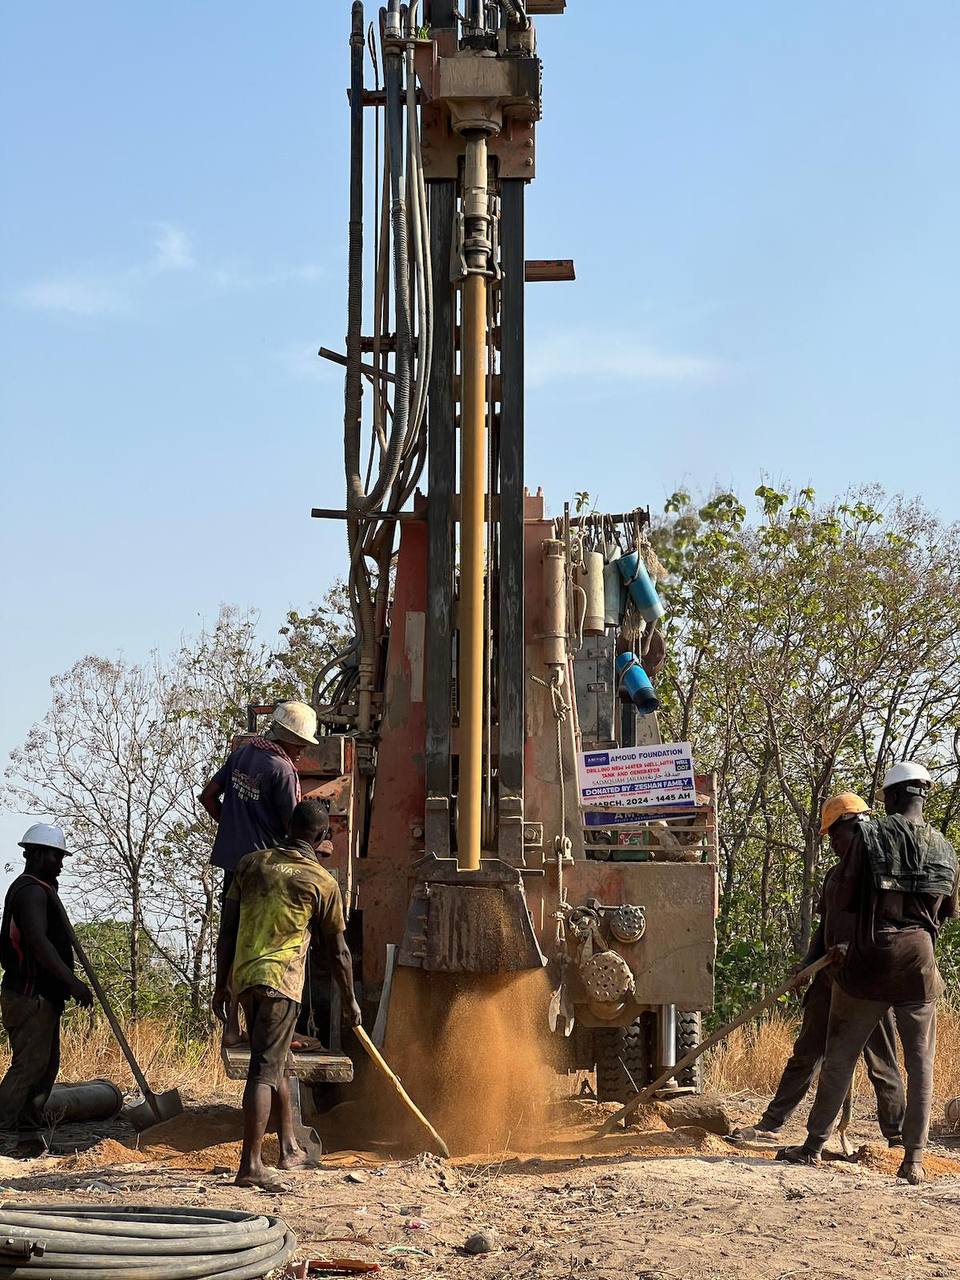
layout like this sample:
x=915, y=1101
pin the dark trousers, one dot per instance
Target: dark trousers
x=32, y=1025
x=225, y=887
x=879, y=1056
x=852, y=1022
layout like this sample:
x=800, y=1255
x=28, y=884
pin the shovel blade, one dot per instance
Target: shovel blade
x=155, y=1108
x=469, y=922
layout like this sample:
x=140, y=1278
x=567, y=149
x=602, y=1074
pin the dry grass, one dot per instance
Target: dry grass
x=749, y=1061
x=752, y=1058
x=168, y=1059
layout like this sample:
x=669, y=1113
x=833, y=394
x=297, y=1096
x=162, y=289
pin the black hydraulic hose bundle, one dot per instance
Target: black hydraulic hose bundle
x=139, y=1242
x=403, y=243
x=393, y=86
x=352, y=398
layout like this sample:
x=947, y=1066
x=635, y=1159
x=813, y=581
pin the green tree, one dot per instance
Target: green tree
x=310, y=641
x=119, y=759
x=807, y=650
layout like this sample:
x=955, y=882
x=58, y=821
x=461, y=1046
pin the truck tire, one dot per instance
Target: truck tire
x=689, y=1035
x=616, y=1048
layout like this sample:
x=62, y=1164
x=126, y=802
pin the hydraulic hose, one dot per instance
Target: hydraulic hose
x=352, y=396
x=516, y=12
x=393, y=83
x=130, y=1242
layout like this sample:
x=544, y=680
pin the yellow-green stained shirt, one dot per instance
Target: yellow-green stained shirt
x=281, y=892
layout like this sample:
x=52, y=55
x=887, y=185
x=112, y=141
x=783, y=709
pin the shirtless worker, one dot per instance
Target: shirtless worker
x=899, y=878
x=38, y=979
x=253, y=795
x=275, y=897
x=880, y=1051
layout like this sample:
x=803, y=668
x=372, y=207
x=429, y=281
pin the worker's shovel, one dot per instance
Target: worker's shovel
x=833, y=956
x=155, y=1106
x=387, y=1071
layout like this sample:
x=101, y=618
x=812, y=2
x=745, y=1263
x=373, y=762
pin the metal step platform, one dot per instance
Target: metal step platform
x=316, y=1067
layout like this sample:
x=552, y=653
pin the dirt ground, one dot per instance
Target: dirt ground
x=663, y=1201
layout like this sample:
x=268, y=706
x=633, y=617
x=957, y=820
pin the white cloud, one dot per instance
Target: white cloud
x=618, y=356
x=172, y=250
x=100, y=293
x=91, y=293
x=78, y=295
x=303, y=362
x=237, y=278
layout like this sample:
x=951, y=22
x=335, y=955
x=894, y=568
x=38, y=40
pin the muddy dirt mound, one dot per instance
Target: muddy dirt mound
x=887, y=1160
x=106, y=1152
x=700, y=1139
x=195, y=1129
x=569, y=1112
x=201, y=1140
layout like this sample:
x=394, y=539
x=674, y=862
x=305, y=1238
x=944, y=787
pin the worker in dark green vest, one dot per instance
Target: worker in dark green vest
x=880, y=1050
x=899, y=877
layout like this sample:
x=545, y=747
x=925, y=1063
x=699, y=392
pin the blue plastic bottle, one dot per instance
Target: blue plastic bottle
x=635, y=683
x=641, y=588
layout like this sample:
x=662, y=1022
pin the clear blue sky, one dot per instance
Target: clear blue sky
x=762, y=201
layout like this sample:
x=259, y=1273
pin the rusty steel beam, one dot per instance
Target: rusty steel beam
x=539, y=270
x=441, y=471
x=510, y=612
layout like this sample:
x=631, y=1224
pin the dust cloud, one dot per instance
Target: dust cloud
x=475, y=1053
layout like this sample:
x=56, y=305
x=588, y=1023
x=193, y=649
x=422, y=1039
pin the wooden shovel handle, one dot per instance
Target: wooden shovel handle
x=720, y=1034
x=105, y=1005
x=394, y=1079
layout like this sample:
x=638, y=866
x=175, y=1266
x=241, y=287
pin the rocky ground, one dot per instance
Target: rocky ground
x=671, y=1199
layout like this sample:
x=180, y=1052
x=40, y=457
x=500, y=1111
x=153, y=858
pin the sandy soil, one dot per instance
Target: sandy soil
x=662, y=1203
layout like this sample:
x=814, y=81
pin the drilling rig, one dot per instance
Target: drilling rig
x=495, y=646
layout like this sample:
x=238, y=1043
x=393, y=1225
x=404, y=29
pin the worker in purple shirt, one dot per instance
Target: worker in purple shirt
x=253, y=796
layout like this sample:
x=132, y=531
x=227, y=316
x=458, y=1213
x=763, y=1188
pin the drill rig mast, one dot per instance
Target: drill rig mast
x=453, y=720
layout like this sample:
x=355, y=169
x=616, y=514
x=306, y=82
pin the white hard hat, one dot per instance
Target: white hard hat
x=46, y=835
x=906, y=771
x=296, y=719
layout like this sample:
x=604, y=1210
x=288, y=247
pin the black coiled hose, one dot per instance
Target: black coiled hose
x=148, y=1242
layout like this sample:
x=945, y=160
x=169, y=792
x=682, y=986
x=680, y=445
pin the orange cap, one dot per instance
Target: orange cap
x=843, y=805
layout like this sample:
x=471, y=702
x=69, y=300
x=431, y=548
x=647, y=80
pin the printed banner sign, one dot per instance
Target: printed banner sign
x=638, y=777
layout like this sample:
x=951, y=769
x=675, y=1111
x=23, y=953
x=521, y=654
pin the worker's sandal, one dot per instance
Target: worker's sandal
x=799, y=1155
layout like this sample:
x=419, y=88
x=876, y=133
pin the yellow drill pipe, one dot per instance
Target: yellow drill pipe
x=472, y=487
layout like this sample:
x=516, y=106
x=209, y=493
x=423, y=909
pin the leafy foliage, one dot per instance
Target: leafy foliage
x=310, y=640
x=808, y=649
x=120, y=759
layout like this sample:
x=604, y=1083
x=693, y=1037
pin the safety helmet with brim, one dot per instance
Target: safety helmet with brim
x=295, y=722
x=847, y=804
x=910, y=774
x=44, y=835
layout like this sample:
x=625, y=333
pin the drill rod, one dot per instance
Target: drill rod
x=472, y=492
x=471, y=572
